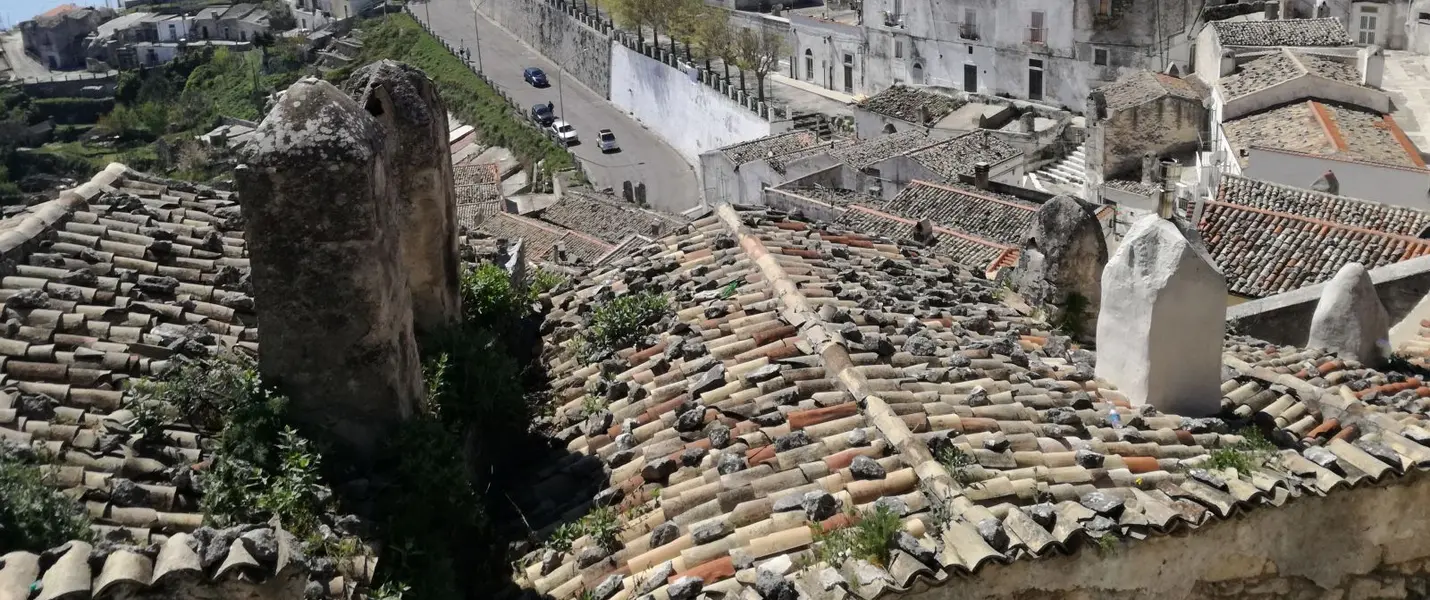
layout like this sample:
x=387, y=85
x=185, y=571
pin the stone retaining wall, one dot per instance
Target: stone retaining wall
x=559, y=32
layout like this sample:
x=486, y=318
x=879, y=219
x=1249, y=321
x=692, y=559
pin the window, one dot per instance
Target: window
x=898, y=49
x=808, y=64
x=1099, y=57
x=918, y=73
x=1369, y=19
x=889, y=128
x=1037, y=33
x=242, y=36
x=1425, y=16
x=1104, y=8
x=968, y=29
x=1035, y=79
x=173, y=32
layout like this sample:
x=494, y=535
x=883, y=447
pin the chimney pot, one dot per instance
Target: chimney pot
x=980, y=175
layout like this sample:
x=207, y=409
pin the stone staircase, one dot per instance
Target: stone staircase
x=1068, y=171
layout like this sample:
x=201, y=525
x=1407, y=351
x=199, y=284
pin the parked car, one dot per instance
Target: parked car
x=534, y=76
x=607, y=141
x=564, y=132
x=543, y=114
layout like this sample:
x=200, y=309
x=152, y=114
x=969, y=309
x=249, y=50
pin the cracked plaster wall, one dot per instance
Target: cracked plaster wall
x=558, y=37
x=1351, y=545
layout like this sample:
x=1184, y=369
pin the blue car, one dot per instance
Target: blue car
x=534, y=76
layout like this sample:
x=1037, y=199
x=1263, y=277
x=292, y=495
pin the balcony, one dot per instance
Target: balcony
x=892, y=19
x=968, y=31
x=1038, y=36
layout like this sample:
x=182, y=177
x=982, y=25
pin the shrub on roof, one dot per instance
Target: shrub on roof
x=34, y=517
x=620, y=322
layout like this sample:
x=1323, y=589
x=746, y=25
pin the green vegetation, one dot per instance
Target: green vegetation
x=620, y=322
x=468, y=97
x=602, y=524
x=1248, y=455
x=35, y=517
x=958, y=463
x=868, y=539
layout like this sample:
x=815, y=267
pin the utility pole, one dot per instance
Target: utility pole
x=427, y=6
x=476, y=18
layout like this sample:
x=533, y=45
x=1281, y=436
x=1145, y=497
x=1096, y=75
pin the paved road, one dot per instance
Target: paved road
x=671, y=184
x=1407, y=79
x=22, y=66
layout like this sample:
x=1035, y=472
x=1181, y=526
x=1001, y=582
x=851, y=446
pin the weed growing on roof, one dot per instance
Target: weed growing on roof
x=34, y=517
x=204, y=391
x=957, y=462
x=1105, y=543
x=729, y=290
x=1253, y=451
x=489, y=301
x=592, y=404
x=541, y=281
x=150, y=418
x=620, y=322
x=602, y=524
x=868, y=539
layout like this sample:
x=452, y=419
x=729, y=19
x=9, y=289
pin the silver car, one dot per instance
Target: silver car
x=607, y=141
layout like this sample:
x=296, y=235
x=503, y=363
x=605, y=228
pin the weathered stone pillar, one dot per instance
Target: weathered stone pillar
x=406, y=102
x=1350, y=318
x=1061, y=265
x=320, y=202
x=1159, y=333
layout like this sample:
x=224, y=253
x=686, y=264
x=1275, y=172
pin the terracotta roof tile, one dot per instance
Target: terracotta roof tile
x=1283, y=32
x=896, y=353
x=124, y=279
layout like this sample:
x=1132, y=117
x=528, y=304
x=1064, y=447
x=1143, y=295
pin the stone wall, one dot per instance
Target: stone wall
x=559, y=36
x=1167, y=126
x=667, y=101
x=1353, y=544
x=1286, y=318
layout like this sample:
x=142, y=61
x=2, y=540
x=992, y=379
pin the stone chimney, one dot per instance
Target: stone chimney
x=323, y=233
x=1272, y=11
x=1350, y=318
x=1029, y=121
x=1097, y=100
x=1327, y=183
x=924, y=232
x=406, y=102
x=1151, y=171
x=980, y=175
x=1228, y=63
x=923, y=115
x=1061, y=264
x=1370, y=60
x=1162, y=318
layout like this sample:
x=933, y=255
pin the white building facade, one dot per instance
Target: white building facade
x=1048, y=51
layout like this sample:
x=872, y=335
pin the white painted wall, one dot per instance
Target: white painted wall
x=686, y=114
x=1385, y=184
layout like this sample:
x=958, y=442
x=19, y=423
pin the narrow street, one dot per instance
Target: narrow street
x=671, y=184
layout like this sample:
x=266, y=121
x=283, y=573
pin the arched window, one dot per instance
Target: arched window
x=918, y=73
x=889, y=128
x=808, y=64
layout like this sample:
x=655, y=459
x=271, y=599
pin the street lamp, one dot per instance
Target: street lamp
x=559, y=70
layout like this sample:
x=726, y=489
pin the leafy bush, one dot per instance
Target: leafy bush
x=33, y=516
x=602, y=524
x=468, y=97
x=868, y=539
x=488, y=299
x=620, y=322
x=432, y=518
